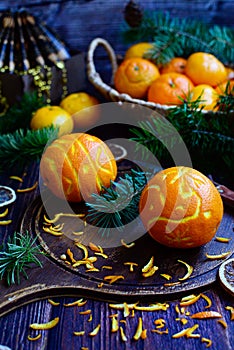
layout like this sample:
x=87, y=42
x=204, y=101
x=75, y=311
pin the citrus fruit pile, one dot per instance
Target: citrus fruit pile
x=77, y=110
x=201, y=76
x=181, y=208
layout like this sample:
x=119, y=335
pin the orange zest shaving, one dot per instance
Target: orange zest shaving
x=95, y=331
x=190, y=301
x=4, y=213
x=206, y=314
x=34, y=338
x=113, y=278
x=86, y=312
x=223, y=323
x=222, y=239
x=149, y=265
x=54, y=303
x=166, y=276
x=206, y=340
x=131, y=264
x=83, y=248
x=79, y=333
x=218, y=256
x=102, y=255
x=13, y=177
x=114, y=325
x=151, y=272
x=129, y=245
x=107, y=267
x=71, y=256
x=144, y=334
x=189, y=270
x=160, y=332
x=122, y=334
x=79, y=302
x=160, y=323
x=59, y=215
x=231, y=309
x=187, y=332
x=171, y=284
x=51, y=231
x=139, y=329
x=28, y=189
x=5, y=222
x=126, y=310
x=48, y=325
x=153, y=307
x=207, y=299
x=94, y=247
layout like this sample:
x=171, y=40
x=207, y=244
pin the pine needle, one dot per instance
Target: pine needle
x=24, y=146
x=117, y=205
x=16, y=256
x=181, y=37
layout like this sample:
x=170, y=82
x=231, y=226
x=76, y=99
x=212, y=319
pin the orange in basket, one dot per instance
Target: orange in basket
x=168, y=89
x=181, y=208
x=207, y=95
x=138, y=50
x=77, y=165
x=134, y=76
x=177, y=64
x=204, y=68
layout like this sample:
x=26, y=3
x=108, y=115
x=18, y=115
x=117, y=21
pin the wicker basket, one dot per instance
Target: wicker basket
x=108, y=91
x=111, y=94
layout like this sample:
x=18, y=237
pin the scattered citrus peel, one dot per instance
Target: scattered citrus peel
x=189, y=270
x=48, y=325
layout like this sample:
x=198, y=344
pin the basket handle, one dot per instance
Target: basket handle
x=93, y=75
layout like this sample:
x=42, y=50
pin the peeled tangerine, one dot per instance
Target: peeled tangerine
x=181, y=208
x=77, y=165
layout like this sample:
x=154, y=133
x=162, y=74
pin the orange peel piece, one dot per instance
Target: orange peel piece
x=189, y=270
x=218, y=256
x=139, y=329
x=206, y=314
x=43, y=326
x=34, y=338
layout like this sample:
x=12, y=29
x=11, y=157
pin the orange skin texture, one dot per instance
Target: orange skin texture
x=207, y=94
x=177, y=64
x=166, y=89
x=134, y=76
x=204, y=68
x=77, y=165
x=181, y=208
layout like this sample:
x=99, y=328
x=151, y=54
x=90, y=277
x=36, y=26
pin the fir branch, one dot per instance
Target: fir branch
x=118, y=204
x=19, y=115
x=181, y=37
x=24, y=146
x=16, y=256
x=226, y=99
x=199, y=131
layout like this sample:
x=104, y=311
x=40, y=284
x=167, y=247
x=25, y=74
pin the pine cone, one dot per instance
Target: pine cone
x=133, y=14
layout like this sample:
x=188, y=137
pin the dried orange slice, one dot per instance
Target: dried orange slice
x=226, y=271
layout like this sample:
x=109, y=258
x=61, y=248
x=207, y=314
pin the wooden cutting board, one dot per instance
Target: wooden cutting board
x=56, y=278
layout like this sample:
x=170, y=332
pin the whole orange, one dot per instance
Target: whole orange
x=52, y=115
x=204, y=68
x=207, y=95
x=80, y=105
x=221, y=88
x=76, y=165
x=168, y=88
x=134, y=76
x=181, y=208
x=176, y=64
x=138, y=50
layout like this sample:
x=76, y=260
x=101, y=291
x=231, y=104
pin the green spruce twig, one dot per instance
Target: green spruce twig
x=16, y=256
x=181, y=37
x=24, y=146
x=118, y=204
x=19, y=115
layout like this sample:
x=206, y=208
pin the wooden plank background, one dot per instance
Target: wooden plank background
x=78, y=22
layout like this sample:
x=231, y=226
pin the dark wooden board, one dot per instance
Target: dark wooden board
x=56, y=278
